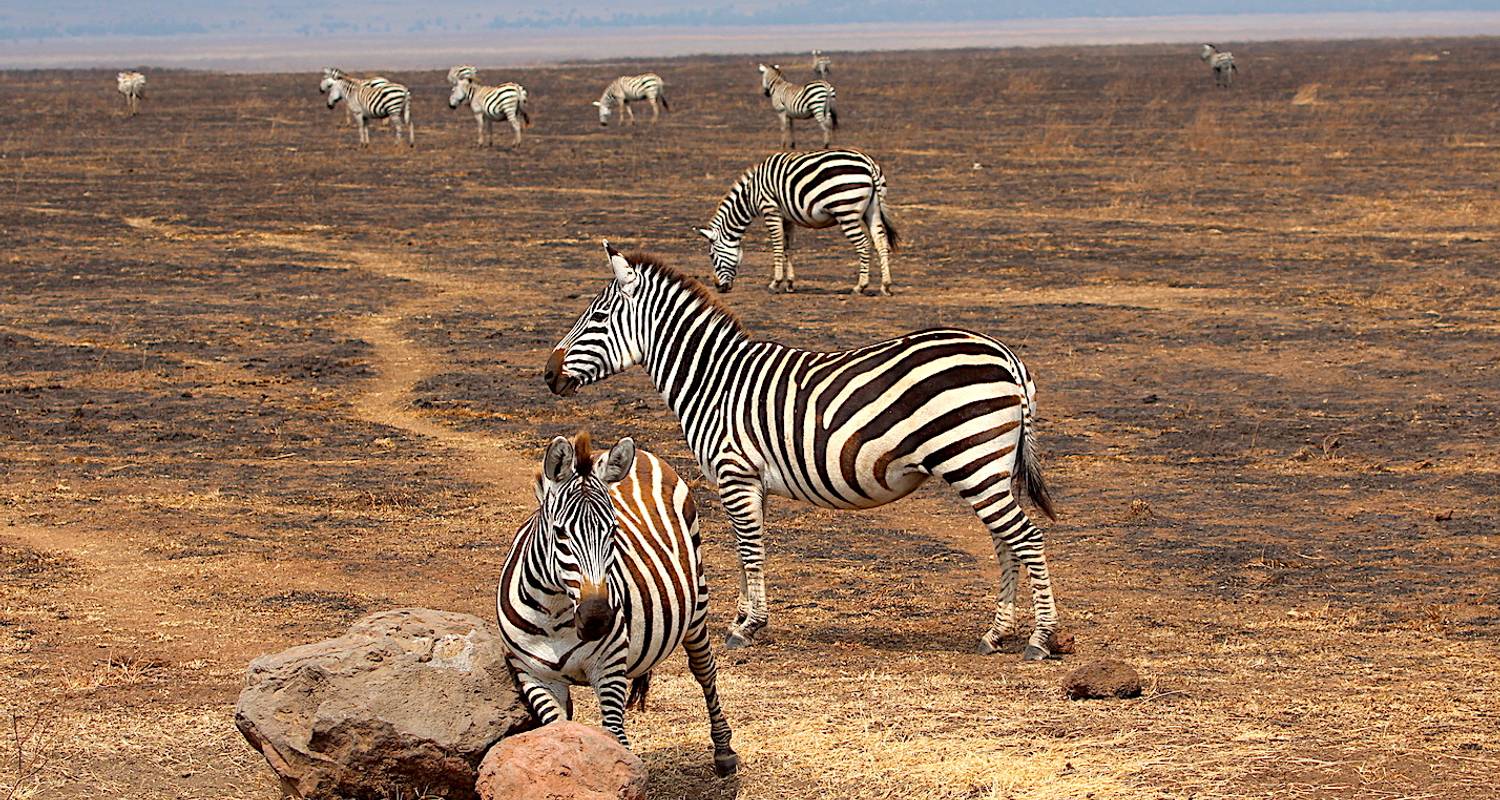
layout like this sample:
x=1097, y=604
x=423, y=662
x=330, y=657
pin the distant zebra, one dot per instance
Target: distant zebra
x=489, y=103
x=843, y=430
x=821, y=64
x=335, y=73
x=1222, y=62
x=813, y=101
x=462, y=72
x=370, y=100
x=602, y=583
x=627, y=89
x=133, y=86
x=813, y=190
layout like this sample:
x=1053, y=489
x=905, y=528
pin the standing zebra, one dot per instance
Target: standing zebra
x=843, y=430
x=813, y=101
x=335, y=73
x=1222, y=62
x=814, y=190
x=369, y=100
x=133, y=86
x=462, y=72
x=821, y=64
x=627, y=89
x=489, y=103
x=602, y=583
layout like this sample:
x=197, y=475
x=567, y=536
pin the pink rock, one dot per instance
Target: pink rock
x=561, y=761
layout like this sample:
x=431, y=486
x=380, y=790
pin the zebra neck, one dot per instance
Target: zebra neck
x=739, y=208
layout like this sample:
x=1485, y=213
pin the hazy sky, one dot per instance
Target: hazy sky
x=36, y=20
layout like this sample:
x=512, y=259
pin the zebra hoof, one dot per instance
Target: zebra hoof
x=790, y=288
x=1034, y=653
x=985, y=648
x=726, y=763
x=735, y=641
x=885, y=289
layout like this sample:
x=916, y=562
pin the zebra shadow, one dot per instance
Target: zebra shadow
x=686, y=771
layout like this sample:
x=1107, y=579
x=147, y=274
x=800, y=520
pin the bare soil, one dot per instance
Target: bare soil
x=255, y=382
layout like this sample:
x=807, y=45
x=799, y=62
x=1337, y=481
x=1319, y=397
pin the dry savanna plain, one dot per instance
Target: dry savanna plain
x=256, y=382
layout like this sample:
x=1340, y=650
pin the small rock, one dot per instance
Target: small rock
x=561, y=761
x=1149, y=399
x=1063, y=643
x=1443, y=516
x=1102, y=679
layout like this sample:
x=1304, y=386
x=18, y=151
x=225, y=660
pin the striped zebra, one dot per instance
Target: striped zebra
x=370, y=100
x=790, y=101
x=821, y=64
x=335, y=73
x=843, y=430
x=133, y=86
x=1222, y=62
x=628, y=89
x=462, y=72
x=602, y=582
x=813, y=190
x=489, y=103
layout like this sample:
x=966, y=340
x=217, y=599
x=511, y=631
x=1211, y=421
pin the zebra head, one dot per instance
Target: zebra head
x=768, y=77
x=605, y=109
x=579, y=516
x=335, y=91
x=1207, y=52
x=462, y=91
x=603, y=340
x=724, y=254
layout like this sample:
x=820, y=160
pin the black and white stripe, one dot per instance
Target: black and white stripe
x=371, y=100
x=603, y=581
x=811, y=190
x=821, y=64
x=843, y=430
x=1222, y=63
x=790, y=101
x=490, y=103
x=133, y=86
x=462, y=72
x=628, y=89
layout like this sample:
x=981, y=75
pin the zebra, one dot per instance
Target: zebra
x=335, y=73
x=602, y=582
x=1222, y=62
x=462, y=72
x=133, y=86
x=369, y=100
x=821, y=64
x=790, y=101
x=627, y=89
x=843, y=430
x=489, y=103
x=813, y=190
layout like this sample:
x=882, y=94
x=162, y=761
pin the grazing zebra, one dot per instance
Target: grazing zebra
x=602, y=583
x=843, y=430
x=133, y=86
x=462, y=72
x=489, y=103
x=370, y=100
x=814, y=190
x=627, y=89
x=813, y=101
x=1222, y=62
x=821, y=64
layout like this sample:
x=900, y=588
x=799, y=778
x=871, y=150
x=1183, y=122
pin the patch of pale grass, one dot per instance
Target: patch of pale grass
x=1306, y=95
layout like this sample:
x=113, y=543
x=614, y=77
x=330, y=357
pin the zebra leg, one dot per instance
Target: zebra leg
x=788, y=136
x=655, y=111
x=855, y=232
x=744, y=499
x=786, y=255
x=1004, y=623
x=826, y=124
x=364, y=132
x=630, y=115
x=515, y=125
x=778, y=249
x=705, y=669
x=548, y=702
x=611, y=689
x=876, y=225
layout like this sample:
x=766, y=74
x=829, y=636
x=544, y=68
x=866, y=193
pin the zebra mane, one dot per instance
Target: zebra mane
x=687, y=283
x=583, y=456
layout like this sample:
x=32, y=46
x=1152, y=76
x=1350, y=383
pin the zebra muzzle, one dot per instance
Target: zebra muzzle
x=593, y=619
x=561, y=384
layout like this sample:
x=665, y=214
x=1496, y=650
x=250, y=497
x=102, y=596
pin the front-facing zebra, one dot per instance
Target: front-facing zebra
x=627, y=89
x=602, y=583
x=821, y=64
x=791, y=101
x=1222, y=62
x=813, y=190
x=369, y=100
x=843, y=430
x=133, y=86
x=489, y=103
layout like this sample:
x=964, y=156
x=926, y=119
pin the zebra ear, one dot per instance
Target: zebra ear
x=557, y=463
x=625, y=272
x=618, y=462
x=596, y=103
x=705, y=233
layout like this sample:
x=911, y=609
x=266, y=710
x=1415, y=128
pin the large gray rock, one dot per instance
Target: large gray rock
x=407, y=701
x=562, y=761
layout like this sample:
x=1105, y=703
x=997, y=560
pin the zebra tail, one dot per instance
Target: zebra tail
x=1032, y=483
x=525, y=117
x=638, y=690
x=833, y=116
x=665, y=106
x=892, y=236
